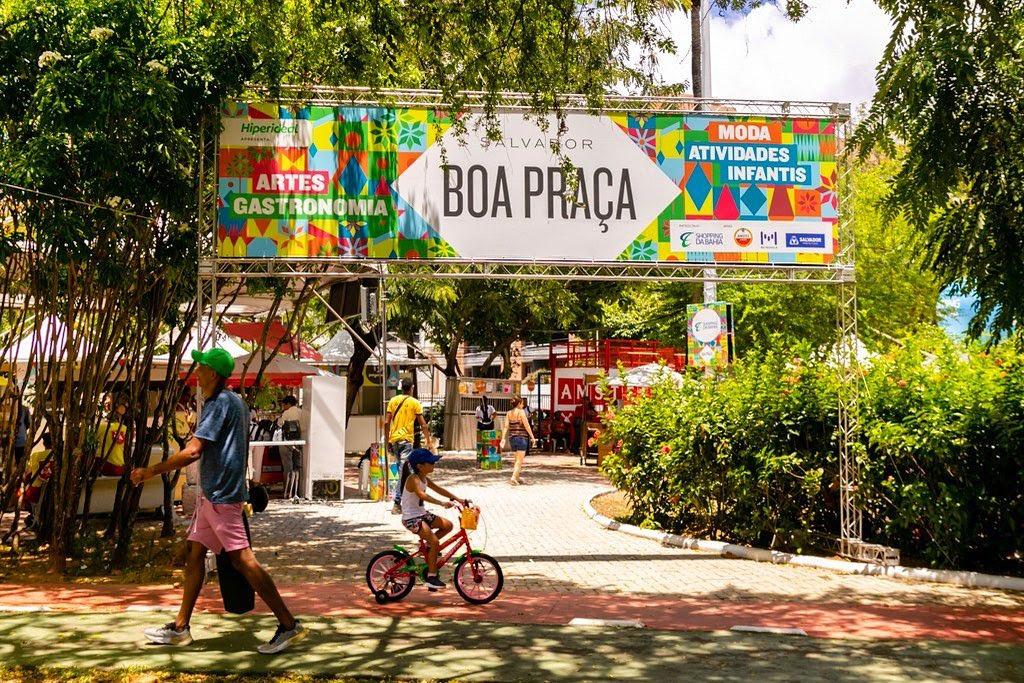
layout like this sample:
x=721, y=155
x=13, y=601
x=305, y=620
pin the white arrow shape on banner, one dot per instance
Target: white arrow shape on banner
x=631, y=187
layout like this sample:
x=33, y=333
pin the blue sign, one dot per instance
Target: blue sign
x=805, y=240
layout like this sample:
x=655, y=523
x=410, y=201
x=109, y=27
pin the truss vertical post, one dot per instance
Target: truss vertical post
x=851, y=525
x=851, y=515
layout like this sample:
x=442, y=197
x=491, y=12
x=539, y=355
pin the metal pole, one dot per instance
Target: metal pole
x=704, y=8
x=381, y=297
x=705, y=42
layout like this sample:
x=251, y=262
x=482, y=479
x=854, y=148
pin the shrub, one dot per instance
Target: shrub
x=751, y=456
x=944, y=468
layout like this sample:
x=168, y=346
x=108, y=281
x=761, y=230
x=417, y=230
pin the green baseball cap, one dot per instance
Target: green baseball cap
x=218, y=359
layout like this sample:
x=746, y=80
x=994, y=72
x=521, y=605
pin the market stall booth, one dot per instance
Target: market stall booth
x=576, y=368
x=462, y=397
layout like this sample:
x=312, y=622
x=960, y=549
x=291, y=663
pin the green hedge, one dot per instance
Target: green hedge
x=751, y=456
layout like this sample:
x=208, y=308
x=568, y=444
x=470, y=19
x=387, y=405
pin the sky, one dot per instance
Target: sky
x=830, y=55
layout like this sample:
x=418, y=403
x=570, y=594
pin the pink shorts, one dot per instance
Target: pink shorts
x=218, y=526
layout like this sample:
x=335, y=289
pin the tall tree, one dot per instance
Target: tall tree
x=949, y=90
x=101, y=104
x=490, y=314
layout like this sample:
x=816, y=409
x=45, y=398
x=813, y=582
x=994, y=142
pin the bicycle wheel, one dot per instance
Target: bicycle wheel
x=478, y=578
x=394, y=587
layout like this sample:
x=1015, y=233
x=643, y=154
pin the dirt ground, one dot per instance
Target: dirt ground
x=153, y=560
x=614, y=505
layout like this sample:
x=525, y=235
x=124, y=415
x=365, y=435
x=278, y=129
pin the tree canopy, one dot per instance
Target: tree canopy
x=950, y=91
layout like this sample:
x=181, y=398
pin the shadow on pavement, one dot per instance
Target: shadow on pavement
x=482, y=651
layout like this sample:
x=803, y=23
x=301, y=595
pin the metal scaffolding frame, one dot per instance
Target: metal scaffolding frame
x=214, y=270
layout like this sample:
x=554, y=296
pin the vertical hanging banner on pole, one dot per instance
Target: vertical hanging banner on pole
x=709, y=335
x=400, y=183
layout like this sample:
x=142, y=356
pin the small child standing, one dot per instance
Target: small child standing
x=415, y=516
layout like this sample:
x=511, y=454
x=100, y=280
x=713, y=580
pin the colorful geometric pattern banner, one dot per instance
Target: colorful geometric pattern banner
x=387, y=183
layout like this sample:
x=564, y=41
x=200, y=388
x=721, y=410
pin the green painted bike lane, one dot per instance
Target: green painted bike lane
x=431, y=649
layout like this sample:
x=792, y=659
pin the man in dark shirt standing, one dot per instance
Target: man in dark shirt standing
x=220, y=445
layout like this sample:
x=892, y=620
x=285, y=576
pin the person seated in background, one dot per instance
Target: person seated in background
x=39, y=470
x=583, y=414
x=111, y=435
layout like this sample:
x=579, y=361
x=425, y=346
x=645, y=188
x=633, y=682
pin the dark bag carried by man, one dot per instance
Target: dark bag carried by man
x=239, y=597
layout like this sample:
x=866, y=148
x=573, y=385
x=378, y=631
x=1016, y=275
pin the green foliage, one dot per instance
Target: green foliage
x=752, y=456
x=949, y=90
x=490, y=314
x=743, y=457
x=434, y=415
x=897, y=293
x=944, y=472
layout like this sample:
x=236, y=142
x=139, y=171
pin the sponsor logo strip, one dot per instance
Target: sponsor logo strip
x=730, y=239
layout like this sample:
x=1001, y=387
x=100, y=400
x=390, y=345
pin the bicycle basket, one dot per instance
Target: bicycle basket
x=470, y=516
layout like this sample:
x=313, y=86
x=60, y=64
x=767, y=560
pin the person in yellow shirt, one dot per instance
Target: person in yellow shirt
x=38, y=471
x=403, y=412
x=111, y=436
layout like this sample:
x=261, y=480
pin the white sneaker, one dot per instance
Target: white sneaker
x=283, y=638
x=168, y=635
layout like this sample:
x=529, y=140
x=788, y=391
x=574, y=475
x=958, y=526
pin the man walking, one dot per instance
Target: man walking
x=221, y=446
x=403, y=412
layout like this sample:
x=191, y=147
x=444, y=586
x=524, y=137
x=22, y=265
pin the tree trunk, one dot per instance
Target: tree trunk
x=696, y=48
x=357, y=363
x=504, y=346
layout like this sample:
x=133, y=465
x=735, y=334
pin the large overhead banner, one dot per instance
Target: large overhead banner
x=374, y=182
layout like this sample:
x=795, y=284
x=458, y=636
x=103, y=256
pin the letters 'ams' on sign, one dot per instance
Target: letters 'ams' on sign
x=384, y=183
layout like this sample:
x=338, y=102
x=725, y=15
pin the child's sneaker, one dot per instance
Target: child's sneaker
x=396, y=509
x=434, y=584
x=283, y=638
x=168, y=635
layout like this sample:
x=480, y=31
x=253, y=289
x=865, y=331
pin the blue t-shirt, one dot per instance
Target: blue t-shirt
x=224, y=426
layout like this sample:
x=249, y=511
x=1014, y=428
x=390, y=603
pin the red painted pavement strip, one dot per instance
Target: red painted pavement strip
x=818, y=619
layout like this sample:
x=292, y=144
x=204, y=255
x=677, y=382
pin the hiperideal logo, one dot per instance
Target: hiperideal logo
x=743, y=237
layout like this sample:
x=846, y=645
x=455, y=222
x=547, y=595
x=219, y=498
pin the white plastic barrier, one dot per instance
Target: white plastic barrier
x=104, y=490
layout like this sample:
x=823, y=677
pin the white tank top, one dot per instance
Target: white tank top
x=412, y=506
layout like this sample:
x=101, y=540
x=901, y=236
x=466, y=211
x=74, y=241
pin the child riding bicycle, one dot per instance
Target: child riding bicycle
x=415, y=516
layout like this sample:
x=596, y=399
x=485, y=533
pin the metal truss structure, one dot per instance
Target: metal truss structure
x=217, y=273
x=525, y=102
x=522, y=270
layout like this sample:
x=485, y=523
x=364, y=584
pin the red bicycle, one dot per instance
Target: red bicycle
x=391, y=574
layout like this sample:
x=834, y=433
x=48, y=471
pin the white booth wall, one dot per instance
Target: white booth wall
x=323, y=429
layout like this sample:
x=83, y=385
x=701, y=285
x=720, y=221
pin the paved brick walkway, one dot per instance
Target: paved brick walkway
x=546, y=543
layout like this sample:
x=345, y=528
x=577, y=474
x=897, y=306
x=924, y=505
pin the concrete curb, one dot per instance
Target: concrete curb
x=970, y=579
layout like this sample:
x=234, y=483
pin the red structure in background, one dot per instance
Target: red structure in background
x=575, y=364
x=606, y=354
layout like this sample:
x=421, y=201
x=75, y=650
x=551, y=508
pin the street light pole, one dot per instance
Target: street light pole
x=702, y=90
